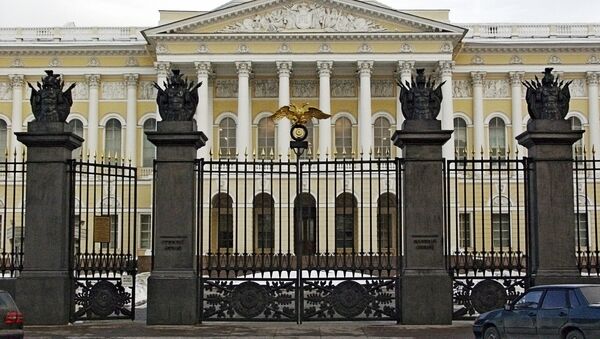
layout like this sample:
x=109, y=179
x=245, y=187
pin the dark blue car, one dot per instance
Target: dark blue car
x=553, y=311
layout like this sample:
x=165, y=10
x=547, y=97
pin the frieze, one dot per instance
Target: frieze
x=147, y=91
x=113, y=90
x=382, y=88
x=268, y=88
x=80, y=92
x=5, y=91
x=226, y=88
x=578, y=88
x=461, y=89
x=343, y=88
x=496, y=89
x=303, y=16
x=304, y=88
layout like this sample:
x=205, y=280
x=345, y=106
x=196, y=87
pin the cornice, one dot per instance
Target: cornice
x=75, y=50
x=529, y=47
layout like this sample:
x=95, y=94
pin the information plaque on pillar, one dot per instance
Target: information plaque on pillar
x=102, y=228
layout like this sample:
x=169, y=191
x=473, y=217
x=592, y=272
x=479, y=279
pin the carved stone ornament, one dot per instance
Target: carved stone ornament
x=304, y=17
x=284, y=48
x=49, y=102
x=477, y=60
x=17, y=62
x=406, y=48
x=203, y=49
x=515, y=60
x=548, y=99
x=461, y=89
x=5, y=91
x=132, y=61
x=593, y=59
x=554, y=60
x=304, y=88
x=179, y=99
x=420, y=100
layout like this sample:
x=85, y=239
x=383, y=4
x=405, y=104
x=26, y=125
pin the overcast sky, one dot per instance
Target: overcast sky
x=27, y=13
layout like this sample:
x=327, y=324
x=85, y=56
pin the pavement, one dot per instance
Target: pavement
x=249, y=330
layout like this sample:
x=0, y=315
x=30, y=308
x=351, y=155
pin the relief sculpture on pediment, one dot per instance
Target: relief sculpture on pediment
x=303, y=16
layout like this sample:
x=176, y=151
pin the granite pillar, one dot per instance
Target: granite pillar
x=172, y=286
x=551, y=207
x=426, y=287
x=43, y=291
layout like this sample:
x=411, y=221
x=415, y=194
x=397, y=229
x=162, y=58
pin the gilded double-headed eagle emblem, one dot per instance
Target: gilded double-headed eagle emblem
x=299, y=115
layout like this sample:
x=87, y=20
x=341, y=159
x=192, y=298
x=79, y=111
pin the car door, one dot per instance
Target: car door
x=520, y=321
x=553, y=313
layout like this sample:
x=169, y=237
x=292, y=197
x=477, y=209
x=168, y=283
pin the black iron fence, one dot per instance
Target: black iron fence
x=486, y=232
x=586, y=180
x=103, y=228
x=299, y=241
x=12, y=214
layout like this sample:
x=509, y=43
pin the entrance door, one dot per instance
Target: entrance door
x=306, y=217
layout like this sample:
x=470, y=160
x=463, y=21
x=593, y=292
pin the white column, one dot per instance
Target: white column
x=365, y=126
x=244, y=123
x=16, y=81
x=516, y=79
x=324, y=68
x=162, y=72
x=204, y=117
x=93, y=81
x=130, y=138
x=594, y=112
x=445, y=68
x=284, y=68
x=405, y=69
x=478, y=130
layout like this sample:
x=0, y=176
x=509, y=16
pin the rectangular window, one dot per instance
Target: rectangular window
x=344, y=231
x=145, y=231
x=114, y=234
x=500, y=230
x=265, y=239
x=581, y=229
x=226, y=231
x=384, y=231
x=464, y=230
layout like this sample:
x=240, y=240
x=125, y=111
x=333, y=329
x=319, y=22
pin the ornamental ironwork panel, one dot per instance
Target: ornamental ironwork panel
x=12, y=214
x=103, y=239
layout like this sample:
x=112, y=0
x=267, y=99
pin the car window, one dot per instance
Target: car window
x=573, y=299
x=591, y=294
x=6, y=301
x=555, y=299
x=529, y=300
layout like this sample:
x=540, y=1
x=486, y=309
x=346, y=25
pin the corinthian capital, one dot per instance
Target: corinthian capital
x=16, y=80
x=477, y=78
x=244, y=68
x=516, y=78
x=162, y=68
x=445, y=68
x=324, y=68
x=405, y=68
x=592, y=78
x=93, y=80
x=365, y=67
x=131, y=79
x=203, y=68
x=284, y=68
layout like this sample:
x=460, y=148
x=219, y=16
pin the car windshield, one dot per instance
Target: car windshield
x=6, y=301
x=591, y=294
x=529, y=300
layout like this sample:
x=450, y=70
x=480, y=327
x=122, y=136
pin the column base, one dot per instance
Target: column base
x=426, y=299
x=44, y=299
x=172, y=300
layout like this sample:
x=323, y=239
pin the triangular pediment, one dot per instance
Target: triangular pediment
x=268, y=17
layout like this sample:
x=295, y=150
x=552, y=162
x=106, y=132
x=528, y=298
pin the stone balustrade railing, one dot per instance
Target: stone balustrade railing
x=498, y=30
x=71, y=34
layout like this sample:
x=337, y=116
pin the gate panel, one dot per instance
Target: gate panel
x=103, y=226
x=294, y=241
x=487, y=233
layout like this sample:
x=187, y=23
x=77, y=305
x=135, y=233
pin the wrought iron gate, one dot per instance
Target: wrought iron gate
x=103, y=233
x=487, y=233
x=299, y=241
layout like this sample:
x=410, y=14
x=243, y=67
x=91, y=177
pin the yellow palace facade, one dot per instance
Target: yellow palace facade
x=343, y=56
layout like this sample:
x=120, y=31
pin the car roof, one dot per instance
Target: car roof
x=563, y=286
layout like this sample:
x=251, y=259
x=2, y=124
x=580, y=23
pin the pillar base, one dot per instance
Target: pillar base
x=44, y=299
x=172, y=299
x=426, y=299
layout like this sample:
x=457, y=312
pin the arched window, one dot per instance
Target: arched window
x=381, y=138
x=578, y=145
x=460, y=138
x=77, y=128
x=222, y=223
x=497, y=139
x=305, y=214
x=149, y=150
x=343, y=138
x=346, y=216
x=264, y=222
x=266, y=138
x=3, y=140
x=112, y=138
x=386, y=223
x=227, y=138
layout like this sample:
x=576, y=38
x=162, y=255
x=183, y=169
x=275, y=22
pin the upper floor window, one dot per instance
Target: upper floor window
x=497, y=139
x=227, y=147
x=266, y=138
x=112, y=138
x=343, y=138
x=460, y=138
x=578, y=145
x=77, y=127
x=381, y=138
x=149, y=150
x=3, y=140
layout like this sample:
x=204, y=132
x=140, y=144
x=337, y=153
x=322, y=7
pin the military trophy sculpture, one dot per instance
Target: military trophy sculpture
x=299, y=116
x=420, y=99
x=179, y=99
x=48, y=102
x=548, y=99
